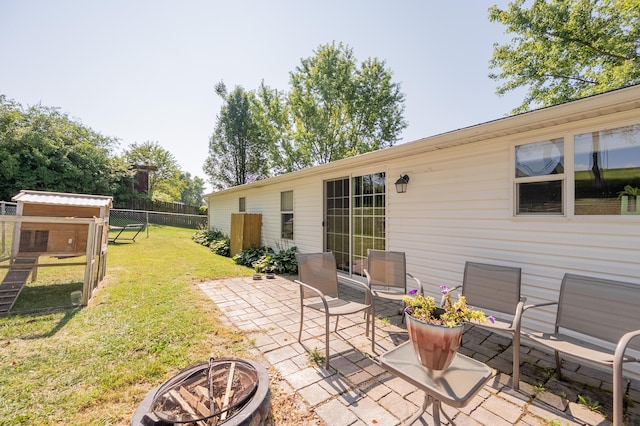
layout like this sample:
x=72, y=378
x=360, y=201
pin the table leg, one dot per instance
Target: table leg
x=436, y=413
x=425, y=404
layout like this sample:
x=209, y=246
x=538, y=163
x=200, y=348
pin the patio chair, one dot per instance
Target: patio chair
x=387, y=274
x=497, y=289
x=318, y=279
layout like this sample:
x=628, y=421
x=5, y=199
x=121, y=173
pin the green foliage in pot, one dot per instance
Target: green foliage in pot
x=451, y=314
x=629, y=190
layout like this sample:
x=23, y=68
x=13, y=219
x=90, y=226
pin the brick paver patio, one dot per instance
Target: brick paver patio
x=356, y=390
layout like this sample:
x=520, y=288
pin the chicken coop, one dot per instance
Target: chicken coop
x=54, y=226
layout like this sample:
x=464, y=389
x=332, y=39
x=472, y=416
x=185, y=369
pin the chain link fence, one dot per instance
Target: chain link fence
x=118, y=218
x=122, y=217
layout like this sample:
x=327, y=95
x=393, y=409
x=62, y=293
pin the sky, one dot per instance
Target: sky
x=142, y=70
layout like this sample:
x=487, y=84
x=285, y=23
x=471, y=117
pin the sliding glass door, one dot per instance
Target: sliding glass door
x=337, y=221
x=355, y=216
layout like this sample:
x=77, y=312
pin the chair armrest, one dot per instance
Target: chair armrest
x=364, y=286
x=315, y=290
x=618, y=360
x=621, y=347
x=368, y=295
x=420, y=289
x=517, y=316
x=537, y=305
x=366, y=273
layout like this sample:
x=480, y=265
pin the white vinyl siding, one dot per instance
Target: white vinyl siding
x=459, y=205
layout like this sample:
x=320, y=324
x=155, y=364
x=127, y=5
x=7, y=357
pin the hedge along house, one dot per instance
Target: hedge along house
x=59, y=225
x=537, y=190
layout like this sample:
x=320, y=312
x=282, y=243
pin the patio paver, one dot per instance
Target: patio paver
x=357, y=391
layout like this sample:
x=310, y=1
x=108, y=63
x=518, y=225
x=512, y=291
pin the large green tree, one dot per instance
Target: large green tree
x=567, y=49
x=165, y=182
x=336, y=108
x=272, y=116
x=192, y=190
x=340, y=108
x=43, y=149
x=237, y=151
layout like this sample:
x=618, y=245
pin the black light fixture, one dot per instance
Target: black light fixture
x=401, y=184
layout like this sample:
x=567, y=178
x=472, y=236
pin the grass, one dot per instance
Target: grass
x=147, y=321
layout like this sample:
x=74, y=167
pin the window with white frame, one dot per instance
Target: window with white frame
x=286, y=214
x=607, y=171
x=603, y=170
x=539, y=178
x=242, y=205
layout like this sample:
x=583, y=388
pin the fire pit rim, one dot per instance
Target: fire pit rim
x=261, y=395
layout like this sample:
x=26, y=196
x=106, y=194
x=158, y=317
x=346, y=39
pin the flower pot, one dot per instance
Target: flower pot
x=629, y=204
x=434, y=345
x=271, y=275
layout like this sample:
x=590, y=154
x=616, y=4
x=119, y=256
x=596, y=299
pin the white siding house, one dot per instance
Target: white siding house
x=501, y=192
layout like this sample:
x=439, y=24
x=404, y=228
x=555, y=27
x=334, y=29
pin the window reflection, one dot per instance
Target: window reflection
x=605, y=162
x=540, y=158
x=539, y=173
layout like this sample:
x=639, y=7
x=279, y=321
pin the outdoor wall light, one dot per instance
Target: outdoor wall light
x=401, y=184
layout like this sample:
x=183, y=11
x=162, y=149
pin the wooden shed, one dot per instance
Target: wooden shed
x=59, y=225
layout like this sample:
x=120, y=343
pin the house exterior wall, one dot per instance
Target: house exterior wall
x=459, y=207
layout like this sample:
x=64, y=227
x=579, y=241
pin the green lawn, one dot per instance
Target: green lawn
x=148, y=320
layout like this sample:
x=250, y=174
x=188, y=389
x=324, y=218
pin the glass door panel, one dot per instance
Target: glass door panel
x=355, y=214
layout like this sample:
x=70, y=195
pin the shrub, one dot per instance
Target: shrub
x=221, y=247
x=206, y=237
x=283, y=262
x=248, y=257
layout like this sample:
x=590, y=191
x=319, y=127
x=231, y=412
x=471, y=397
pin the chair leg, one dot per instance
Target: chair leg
x=301, y=319
x=618, y=393
x=367, y=318
x=373, y=330
x=558, y=366
x=516, y=360
x=371, y=313
x=326, y=339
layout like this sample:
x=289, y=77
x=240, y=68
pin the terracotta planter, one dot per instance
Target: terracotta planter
x=434, y=345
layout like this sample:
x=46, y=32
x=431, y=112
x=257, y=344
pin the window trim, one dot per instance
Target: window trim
x=515, y=180
x=627, y=119
x=284, y=212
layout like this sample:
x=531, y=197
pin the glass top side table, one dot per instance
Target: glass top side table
x=454, y=386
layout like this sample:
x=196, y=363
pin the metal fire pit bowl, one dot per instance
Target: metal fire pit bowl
x=245, y=383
